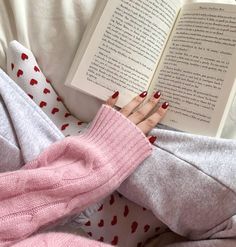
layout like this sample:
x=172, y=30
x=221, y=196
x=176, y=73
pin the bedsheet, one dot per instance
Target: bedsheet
x=52, y=30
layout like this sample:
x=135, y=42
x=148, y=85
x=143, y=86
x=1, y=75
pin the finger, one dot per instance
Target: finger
x=133, y=104
x=143, y=111
x=113, y=99
x=152, y=139
x=149, y=123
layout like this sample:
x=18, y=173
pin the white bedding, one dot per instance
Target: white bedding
x=52, y=29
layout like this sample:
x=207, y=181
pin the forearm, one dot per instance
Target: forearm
x=70, y=175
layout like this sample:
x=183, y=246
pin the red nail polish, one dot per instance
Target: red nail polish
x=165, y=105
x=115, y=95
x=143, y=94
x=157, y=94
x=152, y=139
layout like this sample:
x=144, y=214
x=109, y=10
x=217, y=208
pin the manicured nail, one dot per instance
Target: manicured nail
x=157, y=94
x=115, y=95
x=165, y=105
x=143, y=94
x=152, y=139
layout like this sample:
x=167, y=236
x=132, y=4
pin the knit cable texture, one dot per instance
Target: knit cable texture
x=70, y=175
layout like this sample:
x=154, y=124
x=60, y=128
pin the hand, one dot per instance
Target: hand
x=139, y=115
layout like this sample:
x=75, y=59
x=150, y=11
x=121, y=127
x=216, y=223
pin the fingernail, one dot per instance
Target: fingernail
x=157, y=94
x=165, y=105
x=115, y=95
x=143, y=94
x=152, y=139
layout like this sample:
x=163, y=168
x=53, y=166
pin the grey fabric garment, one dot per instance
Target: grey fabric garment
x=25, y=131
x=189, y=183
x=171, y=239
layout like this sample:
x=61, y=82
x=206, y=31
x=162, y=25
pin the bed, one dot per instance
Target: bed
x=52, y=30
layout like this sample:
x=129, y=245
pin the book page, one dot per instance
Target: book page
x=197, y=73
x=125, y=48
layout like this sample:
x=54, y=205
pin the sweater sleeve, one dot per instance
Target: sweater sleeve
x=55, y=239
x=70, y=175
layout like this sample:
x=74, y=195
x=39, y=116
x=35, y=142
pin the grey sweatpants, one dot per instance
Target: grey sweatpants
x=189, y=182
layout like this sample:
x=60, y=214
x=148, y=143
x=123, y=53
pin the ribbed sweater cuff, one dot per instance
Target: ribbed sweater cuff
x=120, y=140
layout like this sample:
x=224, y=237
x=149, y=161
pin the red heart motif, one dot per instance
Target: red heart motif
x=12, y=66
x=67, y=114
x=33, y=82
x=88, y=223
x=144, y=209
x=114, y=221
x=79, y=123
x=101, y=207
x=126, y=211
x=46, y=90
x=115, y=240
x=36, y=69
x=112, y=199
x=90, y=234
x=47, y=80
x=42, y=104
x=134, y=227
x=101, y=223
x=19, y=72
x=101, y=239
x=54, y=110
x=30, y=96
x=64, y=126
x=146, y=228
x=24, y=56
x=59, y=99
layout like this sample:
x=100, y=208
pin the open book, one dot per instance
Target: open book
x=186, y=52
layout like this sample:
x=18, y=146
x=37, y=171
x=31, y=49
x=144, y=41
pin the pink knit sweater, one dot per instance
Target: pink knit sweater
x=68, y=177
